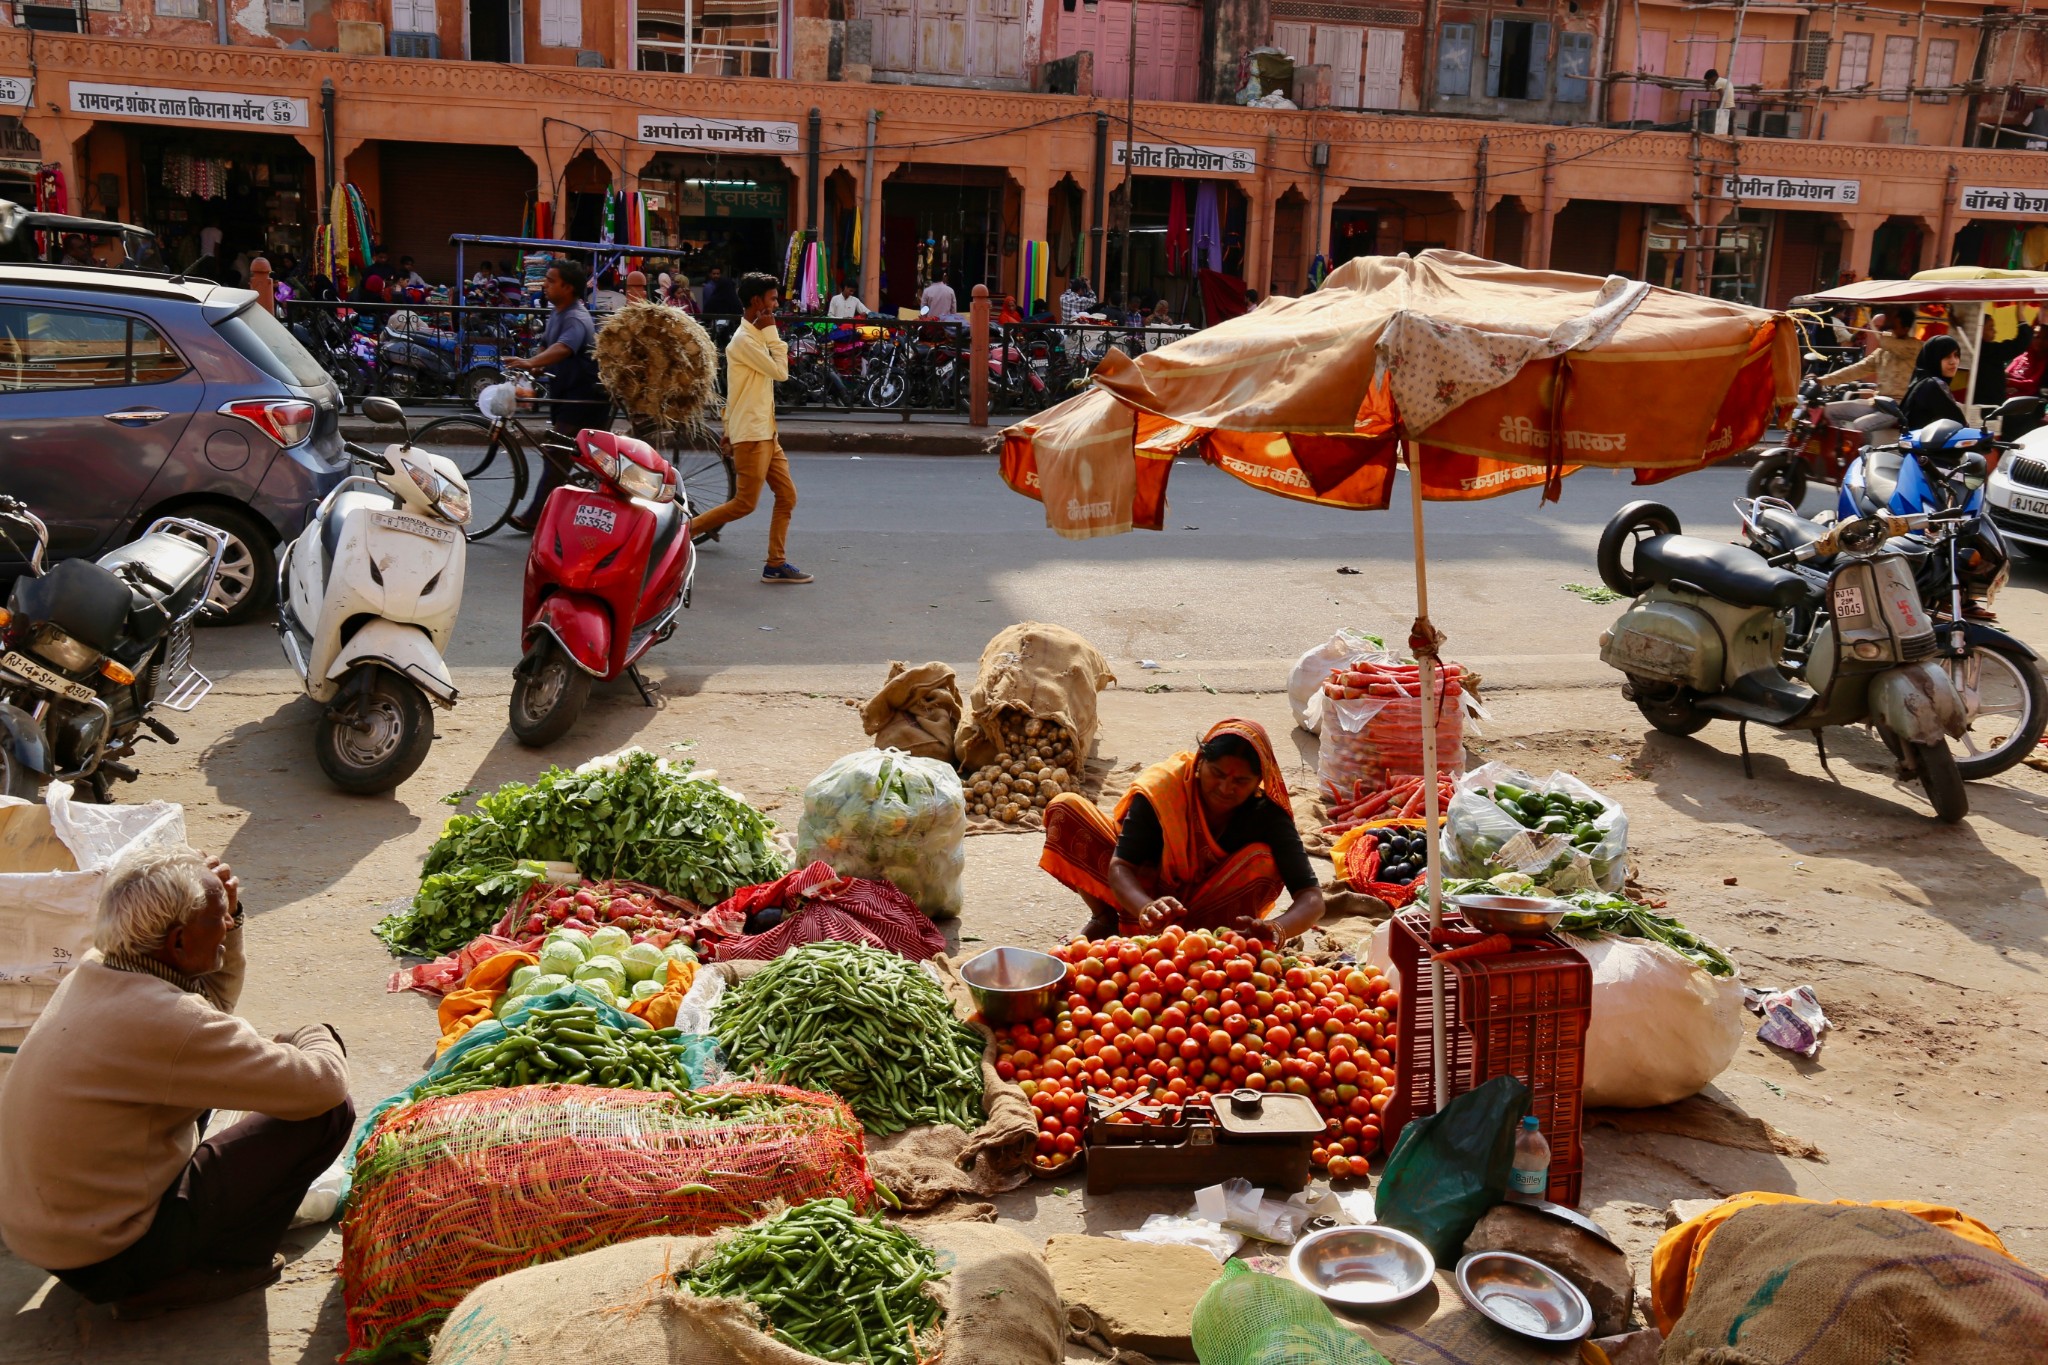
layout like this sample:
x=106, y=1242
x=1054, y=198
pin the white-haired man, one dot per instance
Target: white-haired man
x=104, y=1179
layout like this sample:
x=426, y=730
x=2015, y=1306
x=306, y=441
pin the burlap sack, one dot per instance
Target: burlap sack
x=917, y=711
x=1040, y=670
x=1830, y=1284
x=925, y=1167
x=620, y=1306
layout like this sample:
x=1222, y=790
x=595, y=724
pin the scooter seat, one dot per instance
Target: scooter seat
x=1789, y=529
x=1729, y=572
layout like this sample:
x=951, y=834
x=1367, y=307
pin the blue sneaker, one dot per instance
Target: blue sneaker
x=785, y=572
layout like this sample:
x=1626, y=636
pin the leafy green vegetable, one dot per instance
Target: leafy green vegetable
x=1594, y=912
x=640, y=819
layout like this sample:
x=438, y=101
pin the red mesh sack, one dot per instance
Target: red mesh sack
x=449, y=1193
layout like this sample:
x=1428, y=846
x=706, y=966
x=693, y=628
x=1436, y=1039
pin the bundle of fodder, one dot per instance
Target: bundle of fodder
x=660, y=365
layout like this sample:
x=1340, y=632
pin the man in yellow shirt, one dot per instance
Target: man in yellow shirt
x=756, y=360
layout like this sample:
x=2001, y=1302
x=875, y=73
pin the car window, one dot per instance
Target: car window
x=64, y=348
x=265, y=343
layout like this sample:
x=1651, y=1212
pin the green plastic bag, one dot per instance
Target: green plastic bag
x=1450, y=1167
x=1247, y=1318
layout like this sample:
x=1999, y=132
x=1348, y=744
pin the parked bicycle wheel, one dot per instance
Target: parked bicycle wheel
x=493, y=467
x=704, y=477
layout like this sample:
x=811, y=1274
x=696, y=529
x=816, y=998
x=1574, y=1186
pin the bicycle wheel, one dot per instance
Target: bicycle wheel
x=491, y=465
x=704, y=478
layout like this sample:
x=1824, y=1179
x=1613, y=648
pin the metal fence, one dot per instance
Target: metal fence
x=445, y=355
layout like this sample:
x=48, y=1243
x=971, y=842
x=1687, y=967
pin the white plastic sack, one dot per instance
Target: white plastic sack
x=1305, y=683
x=881, y=813
x=1480, y=839
x=1662, y=1028
x=53, y=858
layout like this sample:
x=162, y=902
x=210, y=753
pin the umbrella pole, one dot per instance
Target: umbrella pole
x=1423, y=640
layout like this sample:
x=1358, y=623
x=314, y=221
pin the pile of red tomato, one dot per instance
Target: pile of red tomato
x=1191, y=1015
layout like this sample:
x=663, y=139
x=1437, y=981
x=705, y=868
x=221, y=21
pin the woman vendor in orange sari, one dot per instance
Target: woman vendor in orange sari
x=1205, y=840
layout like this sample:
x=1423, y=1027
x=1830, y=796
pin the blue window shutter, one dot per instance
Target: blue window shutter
x=1454, y=60
x=1493, y=40
x=1539, y=62
x=1574, y=67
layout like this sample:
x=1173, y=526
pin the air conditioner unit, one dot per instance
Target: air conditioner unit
x=1899, y=131
x=415, y=44
x=589, y=57
x=1773, y=125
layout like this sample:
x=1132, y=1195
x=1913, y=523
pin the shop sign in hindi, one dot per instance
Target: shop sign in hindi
x=1172, y=156
x=731, y=201
x=719, y=134
x=1984, y=199
x=188, y=106
x=15, y=91
x=1788, y=189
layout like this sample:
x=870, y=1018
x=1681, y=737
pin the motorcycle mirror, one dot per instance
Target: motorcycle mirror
x=1972, y=470
x=2023, y=407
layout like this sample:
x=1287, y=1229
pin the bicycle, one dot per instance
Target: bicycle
x=499, y=476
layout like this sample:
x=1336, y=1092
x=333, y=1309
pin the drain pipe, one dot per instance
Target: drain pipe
x=1549, y=205
x=220, y=21
x=327, y=147
x=811, y=186
x=1095, y=255
x=871, y=226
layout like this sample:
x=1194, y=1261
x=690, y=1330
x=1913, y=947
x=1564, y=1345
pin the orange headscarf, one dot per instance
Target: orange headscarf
x=1191, y=851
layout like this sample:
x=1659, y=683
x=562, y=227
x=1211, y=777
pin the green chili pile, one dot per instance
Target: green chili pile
x=830, y=1283
x=570, y=1045
x=863, y=1023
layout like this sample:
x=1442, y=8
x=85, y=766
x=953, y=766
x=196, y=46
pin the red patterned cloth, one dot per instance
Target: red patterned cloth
x=818, y=905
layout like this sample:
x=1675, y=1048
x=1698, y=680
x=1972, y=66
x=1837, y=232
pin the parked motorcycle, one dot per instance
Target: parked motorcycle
x=1705, y=638
x=349, y=359
x=611, y=566
x=425, y=362
x=1830, y=427
x=367, y=597
x=91, y=650
x=1998, y=677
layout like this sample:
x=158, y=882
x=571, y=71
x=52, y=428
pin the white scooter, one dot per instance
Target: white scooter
x=367, y=597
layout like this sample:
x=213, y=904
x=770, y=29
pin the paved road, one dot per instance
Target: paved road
x=920, y=558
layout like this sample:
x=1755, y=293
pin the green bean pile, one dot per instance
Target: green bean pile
x=869, y=1026
x=829, y=1282
x=570, y=1045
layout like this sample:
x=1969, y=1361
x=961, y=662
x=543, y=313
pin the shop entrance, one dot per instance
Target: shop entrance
x=20, y=155
x=226, y=195
x=1369, y=222
x=951, y=230
x=2002, y=245
x=717, y=211
x=1174, y=223
x=1895, y=248
x=1807, y=256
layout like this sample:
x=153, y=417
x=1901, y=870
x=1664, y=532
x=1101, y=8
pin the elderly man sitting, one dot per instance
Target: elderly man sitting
x=104, y=1180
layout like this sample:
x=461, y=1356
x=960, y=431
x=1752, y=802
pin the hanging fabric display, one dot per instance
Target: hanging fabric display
x=792, y=265
x=1318, y=271
x=1208, y=240
x=1177, y=229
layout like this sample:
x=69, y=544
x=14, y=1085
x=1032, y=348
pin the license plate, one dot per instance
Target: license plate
x=44, y=678
x=418, y=526
x=2037, y=507
x=1849, y=600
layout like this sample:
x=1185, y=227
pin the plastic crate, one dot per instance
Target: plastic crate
x=1522, y=1013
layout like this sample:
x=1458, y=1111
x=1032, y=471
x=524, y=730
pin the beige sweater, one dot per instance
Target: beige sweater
x=1890, y=367
x=98, y=1113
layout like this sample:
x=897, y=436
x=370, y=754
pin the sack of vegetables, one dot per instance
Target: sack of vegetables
x=453, y=1192
x=1558, y=832
x=741, y=1299
x=883, y=814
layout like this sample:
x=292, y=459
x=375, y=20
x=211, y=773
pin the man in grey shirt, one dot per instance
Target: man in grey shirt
x=576, y=397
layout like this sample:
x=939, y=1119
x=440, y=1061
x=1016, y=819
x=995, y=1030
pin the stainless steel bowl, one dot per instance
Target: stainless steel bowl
x=1511, y=914
x=1011, y=985
x=1362, y=1267
x=1524, y=1296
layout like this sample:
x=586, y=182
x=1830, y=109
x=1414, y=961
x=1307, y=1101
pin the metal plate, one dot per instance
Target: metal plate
x=42, y=677
x=418, y=526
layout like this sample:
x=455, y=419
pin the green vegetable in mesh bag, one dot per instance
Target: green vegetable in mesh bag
x=1246, y=1318
x=883, y=814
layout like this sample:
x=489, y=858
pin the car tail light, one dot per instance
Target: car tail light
x=286, y=421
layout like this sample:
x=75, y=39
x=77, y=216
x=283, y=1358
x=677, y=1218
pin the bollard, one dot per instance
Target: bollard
x=260, y=280
x=977, y=358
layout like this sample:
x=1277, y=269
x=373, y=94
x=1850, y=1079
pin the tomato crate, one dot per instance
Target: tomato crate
x=1522, y=1013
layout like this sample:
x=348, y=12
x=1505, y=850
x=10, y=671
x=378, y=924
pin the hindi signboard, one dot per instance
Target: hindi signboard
x=188, y=106
x=1172, y=156
x=718, y=134
x=1789, y=189
x=16, y=92
x=1987, y=199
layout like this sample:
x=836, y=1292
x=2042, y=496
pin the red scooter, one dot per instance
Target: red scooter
x=610, y=567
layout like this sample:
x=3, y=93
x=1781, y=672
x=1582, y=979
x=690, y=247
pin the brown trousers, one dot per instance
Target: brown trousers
x=756, y=463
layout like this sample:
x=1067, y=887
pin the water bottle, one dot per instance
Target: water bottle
x=1529, y=1176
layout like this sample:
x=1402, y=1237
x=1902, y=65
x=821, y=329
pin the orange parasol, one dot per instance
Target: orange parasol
x=1483, y=377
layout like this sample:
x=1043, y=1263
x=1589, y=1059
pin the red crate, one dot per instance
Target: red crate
x=1522, y=1013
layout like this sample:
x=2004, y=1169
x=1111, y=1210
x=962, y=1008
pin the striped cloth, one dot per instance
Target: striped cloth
x=819, y=904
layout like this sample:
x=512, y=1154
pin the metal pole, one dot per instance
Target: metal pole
x=1097, y=247
x=1431, y=816
x=1475, y=237
x=327, y=149
x=871, y=228
x=811, y=186
x=1130, y=142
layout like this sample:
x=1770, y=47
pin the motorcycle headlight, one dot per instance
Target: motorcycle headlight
x=638, y=481
x=61, y=650
x=449, y=501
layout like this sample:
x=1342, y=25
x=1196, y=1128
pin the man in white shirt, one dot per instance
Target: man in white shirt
x=846, y=303
x=939, y=298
